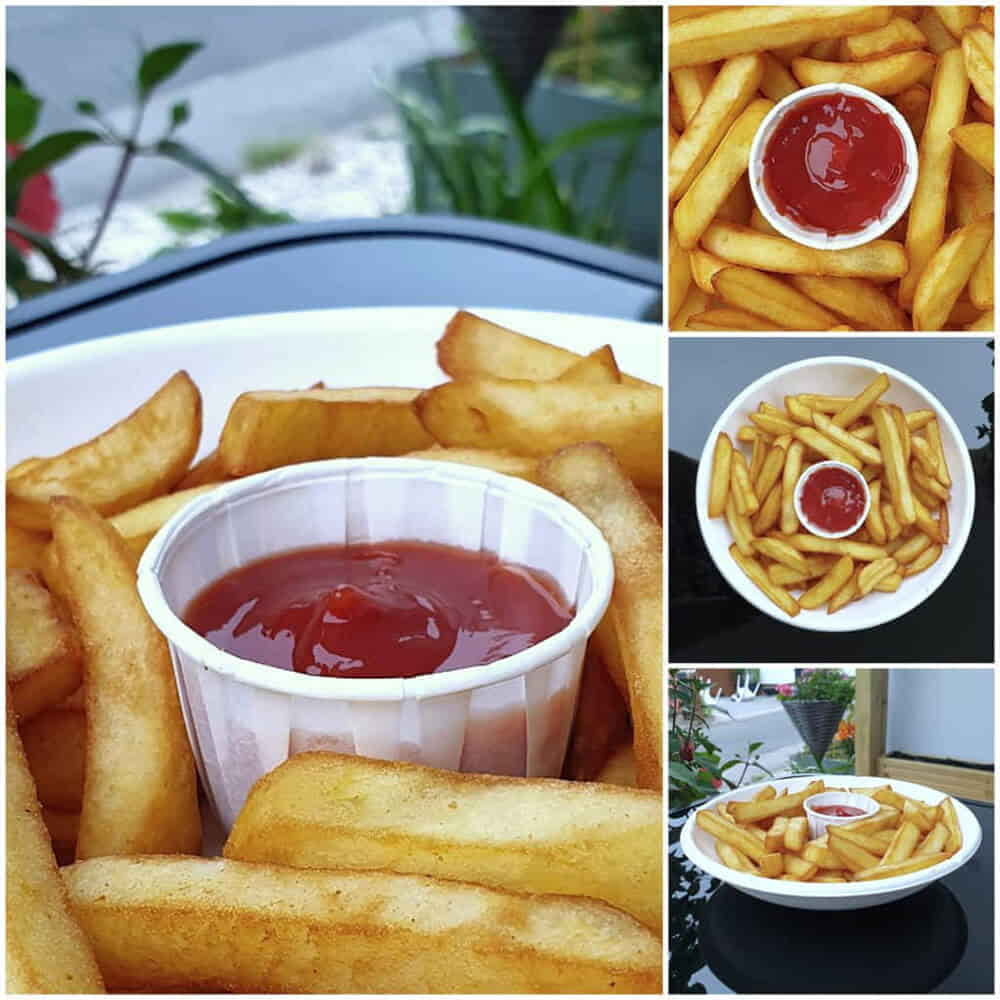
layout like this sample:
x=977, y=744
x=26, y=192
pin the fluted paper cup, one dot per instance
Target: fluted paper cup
x=510, y=717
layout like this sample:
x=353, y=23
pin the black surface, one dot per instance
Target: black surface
x=399, y=261
x=939, y=940
x=711, y=623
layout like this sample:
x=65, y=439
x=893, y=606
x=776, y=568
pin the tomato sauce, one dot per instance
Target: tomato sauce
x=838, y=810
x=395, y=609
x=833, y=499
x=834, y=163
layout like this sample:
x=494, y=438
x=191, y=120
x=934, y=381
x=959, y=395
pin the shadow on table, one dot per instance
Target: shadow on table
x=711, y=623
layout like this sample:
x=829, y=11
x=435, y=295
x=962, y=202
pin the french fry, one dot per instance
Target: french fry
x=827, y=447
x=877, y=260
x=912, y=104
x=704, y=267
x=138, y=458
x=54, y=745
x=893, y=529
x=737, y=860
x=754, y=812
x=912, y=813
x=691, y=84
x=718, y=490
x=774, y=839
x=925, y=225
x=845, y=595
x=863, y=402
x=758, y=454
x=911, y=548
x=874, y=522
x=740, y=488
x=776, y=84
x=885, y=75
x=740, y=528
x=718, y=177
x=798, y=869
x=796, y=833
x=729, y=319
x=899, y=35
x=852, y=857
x=895, y=466
x=873, y=843
x=864, y=304
x=732, y=834
x=956, y=19
x=907, y=867
x=950, y=819
x=860, y=449
x=772, y=865
x=821, y=856
x=885, y=819
x=977, y=50
x=933, y=433
x=976, y=139
x=903, y=844
x=874, y=573
x=861, y=551
x=790, y=477
x=828, y=585
x=770, y=297
x=771, y=470
x=782, y=553
x=770, y=510
x=756, y=573
x=728, y=33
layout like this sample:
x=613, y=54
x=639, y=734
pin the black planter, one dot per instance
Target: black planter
x=816, y=722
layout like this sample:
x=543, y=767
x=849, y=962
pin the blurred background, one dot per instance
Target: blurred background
x=136, y=131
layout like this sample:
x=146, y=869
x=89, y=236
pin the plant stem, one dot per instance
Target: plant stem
x=62, y=267
x=129, y=148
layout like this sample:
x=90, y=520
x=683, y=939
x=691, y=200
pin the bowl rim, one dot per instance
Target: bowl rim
x=819, y=621
x=816, y=239
x=972, y=835
x=380, y=689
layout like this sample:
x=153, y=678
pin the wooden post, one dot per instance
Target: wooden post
x=871, y=690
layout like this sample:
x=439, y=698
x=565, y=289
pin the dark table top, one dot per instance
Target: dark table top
x=404, y=261
x=939, y=940
x=711, y=623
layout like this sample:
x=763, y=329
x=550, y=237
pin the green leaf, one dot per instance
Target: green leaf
x=86, y=107
x=22, y=113
x=179, y=114
x=755, y=746
x=14, y=79
x=184, y=223
x=47, y=152
x=186, y=156
x=679, y=773
x=161, y=63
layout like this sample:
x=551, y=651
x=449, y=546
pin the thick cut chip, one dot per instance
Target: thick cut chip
x=140, y=793
x=55, y=745
x=46, y=950
x=590, y=479
x=266, y=430
x=536, y=418
x=208, y=925
x=139, y=458
x=568, y=838
x=43, y=652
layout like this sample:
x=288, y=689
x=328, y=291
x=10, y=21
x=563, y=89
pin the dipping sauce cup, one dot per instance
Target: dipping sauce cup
x=831, y=499
x=833, y=166
x=836, y=809
x=511, y=716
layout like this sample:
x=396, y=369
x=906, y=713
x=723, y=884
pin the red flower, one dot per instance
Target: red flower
x=38, y=208
x=687, y=751
x=717, y=782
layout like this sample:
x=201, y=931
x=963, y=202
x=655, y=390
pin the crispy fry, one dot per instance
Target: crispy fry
x=782, y=553
x=796, y=833
x=54, y=745
x=589, y=478
x=797, y=869
x=138, y=458
x=977, y=51
x=345, y=932
x=865, y=305
x=852, y=856
x=140, y=793
x=827, y=447
x=950, y=819
x=899, y=35
x=729, y=319
x=767, y=516
x=907, y=867
x=790, y=476
x=326, y=810
x=903, y=843
x=897, y=480
x=886, y=75
x=862, y=551
x=768, y=296
x=756, y=573
x=736, y=860
x=718, y=491
x=874, y=573
x=828, y=585
x=742, y=492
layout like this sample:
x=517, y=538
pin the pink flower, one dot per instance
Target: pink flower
x=786, y=690
x=38, y=207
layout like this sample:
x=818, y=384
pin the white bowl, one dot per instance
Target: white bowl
x=512, y=716
x=815, y=529
x=812, y=237
x=699, y=847
x=841, y=376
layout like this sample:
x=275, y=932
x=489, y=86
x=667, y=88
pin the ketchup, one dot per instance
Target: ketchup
x=834, y=163
x=838, y=810
x=832, y=499
x=395, y=609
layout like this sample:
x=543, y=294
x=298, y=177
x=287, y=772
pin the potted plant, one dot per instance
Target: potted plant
x=816, y=703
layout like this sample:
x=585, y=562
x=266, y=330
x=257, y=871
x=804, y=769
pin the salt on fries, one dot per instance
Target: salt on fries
x=729, y=269
x=901, y=457
x=767, y=836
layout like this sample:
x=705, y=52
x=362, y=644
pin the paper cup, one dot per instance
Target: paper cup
x=818, y=822
x=510, y=717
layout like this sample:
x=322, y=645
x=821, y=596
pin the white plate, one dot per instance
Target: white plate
x=699, y=847
x=840, y=376
x=61, y=397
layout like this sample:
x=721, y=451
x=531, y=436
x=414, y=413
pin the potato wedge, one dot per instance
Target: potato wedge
x=138, y=458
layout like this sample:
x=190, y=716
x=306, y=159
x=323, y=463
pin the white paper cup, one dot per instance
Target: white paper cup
x=815, y=529
x=512, y=716
x=818, y=822
x=815, y=238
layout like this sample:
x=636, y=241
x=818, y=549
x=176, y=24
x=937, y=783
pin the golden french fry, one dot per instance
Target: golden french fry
x=141, y=793
x=43, y=651
x=718, y=490
x=54, y=745
x=739, y=527
x=790, y=476
x=885, y=75
x=861, y=551
x=860, y=449
x=138, y=458
x=976, y=139
x=722, y=34
x=877, y=260
x=873, y=843
x=911, y=548
x=874, y=573
x=956, y=19
x=864, y=304
x=754, y=812
x=770, y=510
x=757, y=456
x=771, y=298
x=863, y=402
x=851, y=856
x=691, y=84
x=25, y=548
x=774, y=838
x=703, y=268
x=899, y=35
x=977, y=50
x=742, y=492
x=718, y=177
x=903, y=844
x=925, y=225
x=727, y=319
x=776, y=83
x=950, y=819
x=828, y=585
x=756, y=573
x=896, y=477
x=731, y=834
x=796, y=833
x=772, y=865
x=797, y=869
x=933, y=433
x=874, y=522
x=934, y=842
x=771, y=470
x=782, y=553
x=913, y=864
x=730, y=92
x=827, y=447
x=737, y=860
x=893, y=529
x=912, y=104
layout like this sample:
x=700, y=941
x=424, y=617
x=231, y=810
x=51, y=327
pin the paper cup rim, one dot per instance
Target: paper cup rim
x=814, y=238
x=374, y=689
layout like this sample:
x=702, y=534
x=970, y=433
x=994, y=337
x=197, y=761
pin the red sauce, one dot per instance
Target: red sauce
x=833, y=499
x=838, y=810
x=395, y=609
x=834, y=163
